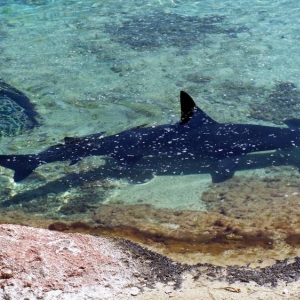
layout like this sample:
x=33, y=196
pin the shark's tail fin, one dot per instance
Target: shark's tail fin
x=23, y=165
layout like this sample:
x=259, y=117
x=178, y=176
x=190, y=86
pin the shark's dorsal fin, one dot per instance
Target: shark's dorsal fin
x=187, y=107
x=189, y=110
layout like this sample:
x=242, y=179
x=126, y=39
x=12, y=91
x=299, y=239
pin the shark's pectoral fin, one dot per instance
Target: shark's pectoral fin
x=224, y=169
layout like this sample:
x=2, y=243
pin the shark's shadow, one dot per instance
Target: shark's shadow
x=147, y=167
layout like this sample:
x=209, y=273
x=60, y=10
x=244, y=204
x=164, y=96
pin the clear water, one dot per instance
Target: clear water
x=92, y=66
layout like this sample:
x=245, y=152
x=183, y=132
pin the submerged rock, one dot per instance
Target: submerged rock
x=17, y=113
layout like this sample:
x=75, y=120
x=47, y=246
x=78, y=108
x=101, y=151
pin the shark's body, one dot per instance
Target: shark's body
x=195, y=135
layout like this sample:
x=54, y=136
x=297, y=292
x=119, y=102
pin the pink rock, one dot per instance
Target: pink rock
x=42, y=264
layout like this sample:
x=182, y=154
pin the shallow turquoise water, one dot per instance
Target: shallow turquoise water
x=92, y=66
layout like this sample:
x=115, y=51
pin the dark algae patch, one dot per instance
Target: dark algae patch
x=179, y=243
x=165, y=270
x=169, y=29
x=293, y=239
x=283, y=270
x=155, y=267
x=282, y=102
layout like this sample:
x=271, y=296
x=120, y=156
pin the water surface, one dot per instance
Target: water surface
x=91, y=66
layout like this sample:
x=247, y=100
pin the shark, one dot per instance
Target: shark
x=195, y=135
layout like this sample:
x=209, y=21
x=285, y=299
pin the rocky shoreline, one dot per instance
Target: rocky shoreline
x=44, y=264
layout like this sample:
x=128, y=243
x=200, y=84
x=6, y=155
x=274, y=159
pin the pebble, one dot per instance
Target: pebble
x=134, y=291
x=52, y=295
x=285, y=291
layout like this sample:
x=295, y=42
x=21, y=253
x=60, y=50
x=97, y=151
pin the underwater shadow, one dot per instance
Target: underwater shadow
x=148, y=167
